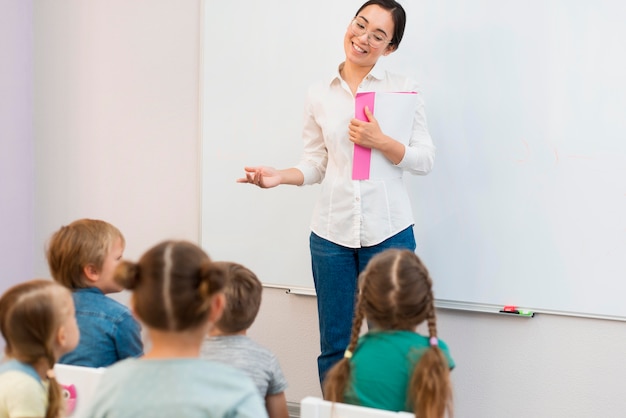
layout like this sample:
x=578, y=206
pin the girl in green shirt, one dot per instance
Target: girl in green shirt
x=392, y=367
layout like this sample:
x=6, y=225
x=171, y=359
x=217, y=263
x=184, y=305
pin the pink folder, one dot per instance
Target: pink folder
x=391, y=101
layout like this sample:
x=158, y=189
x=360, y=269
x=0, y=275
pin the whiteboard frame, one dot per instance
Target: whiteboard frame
x=306, y=291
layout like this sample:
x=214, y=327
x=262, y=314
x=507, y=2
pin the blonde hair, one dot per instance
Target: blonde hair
x=396, y=294
x=173, y=285
x=31, y=314
x=77, y=245
x=243, y=298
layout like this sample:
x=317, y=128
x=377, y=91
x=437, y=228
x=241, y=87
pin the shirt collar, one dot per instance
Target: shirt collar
x=88, y=290
x=377, y=72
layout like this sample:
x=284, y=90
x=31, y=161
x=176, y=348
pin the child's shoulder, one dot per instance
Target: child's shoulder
x=92, y=299
x=395, y=337
x=237, y=342
x=14, y=383
x=151, y=369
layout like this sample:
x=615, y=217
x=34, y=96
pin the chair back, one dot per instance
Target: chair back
x=79, y=386
x=312, y=407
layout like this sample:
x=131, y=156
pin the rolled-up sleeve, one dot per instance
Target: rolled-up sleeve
x=315, y=155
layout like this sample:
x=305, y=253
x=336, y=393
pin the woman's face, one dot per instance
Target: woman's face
x=378, y=23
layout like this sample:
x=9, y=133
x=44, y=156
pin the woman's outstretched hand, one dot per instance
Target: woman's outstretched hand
x=264, y=177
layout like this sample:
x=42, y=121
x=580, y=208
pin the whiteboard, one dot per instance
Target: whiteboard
x=526, y=204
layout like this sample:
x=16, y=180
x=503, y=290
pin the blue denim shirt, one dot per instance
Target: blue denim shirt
x=108, y=331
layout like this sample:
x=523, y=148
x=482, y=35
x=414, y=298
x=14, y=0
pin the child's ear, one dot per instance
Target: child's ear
x=91, y=272
x=217, y=307
x=61, y=336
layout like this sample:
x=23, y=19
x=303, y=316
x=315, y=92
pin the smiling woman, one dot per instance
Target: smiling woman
x=525, y=202
x=375, y=39
x=353, y=219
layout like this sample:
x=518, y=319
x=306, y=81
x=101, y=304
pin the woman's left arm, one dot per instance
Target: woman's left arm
x=417, y=158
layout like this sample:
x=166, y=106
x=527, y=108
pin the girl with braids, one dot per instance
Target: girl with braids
x=38, y=323
x=177, y=294
x=392, y=367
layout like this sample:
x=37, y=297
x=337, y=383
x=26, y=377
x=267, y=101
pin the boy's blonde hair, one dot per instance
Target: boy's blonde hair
x=77, y=245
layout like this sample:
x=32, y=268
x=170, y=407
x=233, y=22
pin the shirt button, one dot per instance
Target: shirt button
x=358, y=199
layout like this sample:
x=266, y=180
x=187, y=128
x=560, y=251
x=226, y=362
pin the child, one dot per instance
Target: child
x=229, y=344
x=177, y=295
x=37, y=322
x=392, y=367
x=82, y=256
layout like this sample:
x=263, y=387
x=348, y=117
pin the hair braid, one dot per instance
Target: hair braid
x=431, y=318
x=430, y=389
x=56, y=406
x=337, y=378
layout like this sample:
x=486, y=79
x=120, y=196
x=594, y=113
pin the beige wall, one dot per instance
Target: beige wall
x=116, y=125
x=117, y=137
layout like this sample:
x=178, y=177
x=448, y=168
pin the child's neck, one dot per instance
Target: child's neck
x=168, y=344
x=41, y=366
x=216, y=332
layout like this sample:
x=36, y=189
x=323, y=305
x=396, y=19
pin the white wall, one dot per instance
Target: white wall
x=116, y=129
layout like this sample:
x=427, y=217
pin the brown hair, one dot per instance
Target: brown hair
x=243, y=298
x=396, y=294
x=397, y=14
x=30, y=316
x=173, y=285
x=77, y=245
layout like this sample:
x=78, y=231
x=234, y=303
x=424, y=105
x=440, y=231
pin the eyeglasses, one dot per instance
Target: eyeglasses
x=374, y=39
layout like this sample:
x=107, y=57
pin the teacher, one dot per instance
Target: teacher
x=353, y=219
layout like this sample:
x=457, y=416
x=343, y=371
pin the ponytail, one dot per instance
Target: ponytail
x=56, y=404
x=211, y=280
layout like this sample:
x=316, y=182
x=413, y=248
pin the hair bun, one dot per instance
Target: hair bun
x=127, y=274
x=212, y=277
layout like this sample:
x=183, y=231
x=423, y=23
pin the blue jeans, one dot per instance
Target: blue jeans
x=335, y=273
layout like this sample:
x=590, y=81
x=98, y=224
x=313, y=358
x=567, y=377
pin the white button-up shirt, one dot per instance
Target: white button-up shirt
x=357, y=213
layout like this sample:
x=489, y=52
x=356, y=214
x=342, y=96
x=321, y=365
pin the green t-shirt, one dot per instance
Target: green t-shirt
x=381, y=368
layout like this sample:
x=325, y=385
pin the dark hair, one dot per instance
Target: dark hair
x=243, y=298
x=396, y=294
x=173, y=285
x=30, y=316
x=75, y=246
x=397, y=14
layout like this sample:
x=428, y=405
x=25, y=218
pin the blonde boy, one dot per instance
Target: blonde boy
x=82, y=256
